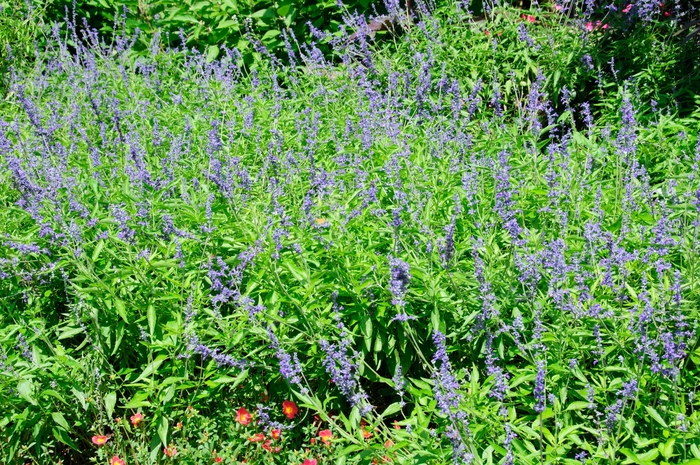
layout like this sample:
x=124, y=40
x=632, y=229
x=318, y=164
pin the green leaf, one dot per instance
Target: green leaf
x=391, y=409
x=228, y=24
x=655, y=415
x=60, y=420
x=271, y=34
x=666, y=448
x=121, y=309
x=163, y=431
x=98, y=249
x=139, y=400
x=110, y=402
x=228, y=379
x=62, y=436
x=151, y=367
x=578, y=405
x=212, y=53
x=70, y=332
x=25, y=390
x=151, y=314
x=347, y=450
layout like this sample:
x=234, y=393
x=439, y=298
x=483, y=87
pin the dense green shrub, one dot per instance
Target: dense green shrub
x=210, y=25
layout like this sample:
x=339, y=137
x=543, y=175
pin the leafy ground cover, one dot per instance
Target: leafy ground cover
x=475, y=242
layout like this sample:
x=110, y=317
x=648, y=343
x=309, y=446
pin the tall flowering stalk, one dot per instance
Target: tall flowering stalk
x=446, y=391
x=343, y=366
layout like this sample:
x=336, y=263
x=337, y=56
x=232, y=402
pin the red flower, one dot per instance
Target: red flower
x=290, y=409
x=267, y=445
x=396, y=425
x=325, y=435
x=116, y=461
x=256, y=437
x=310, y=462
x=243, y=417
x=170, y=451
x=218, y=460
x=99, y=440
x=275, y=433
x=136, y=419
x=529, y=18
x=313, y=440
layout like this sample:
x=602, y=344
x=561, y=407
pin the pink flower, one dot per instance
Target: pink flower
x=99, y=440
x=528, y=18
x=136, y=419
x=627, y=8
x=589, y=26
x=243, y=417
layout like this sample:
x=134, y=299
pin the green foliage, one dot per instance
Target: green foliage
x=210, y=26
x=21, y=27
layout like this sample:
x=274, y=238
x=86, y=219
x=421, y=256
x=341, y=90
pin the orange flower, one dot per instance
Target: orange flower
x=99, y=440
x=290, y=409
x=325, y=436
x=116, y=461
x=366, y=434
x=243, y=417
x=396, y=425
x=275, y=433
x=170, y=451
x=267, y=445
x=136, y=419
x=179, y=425
x=310, y=462
x=256, y=437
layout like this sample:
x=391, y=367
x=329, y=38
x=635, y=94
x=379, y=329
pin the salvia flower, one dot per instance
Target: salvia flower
x=399, y=279
x=290, y=368
x=539, y=392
